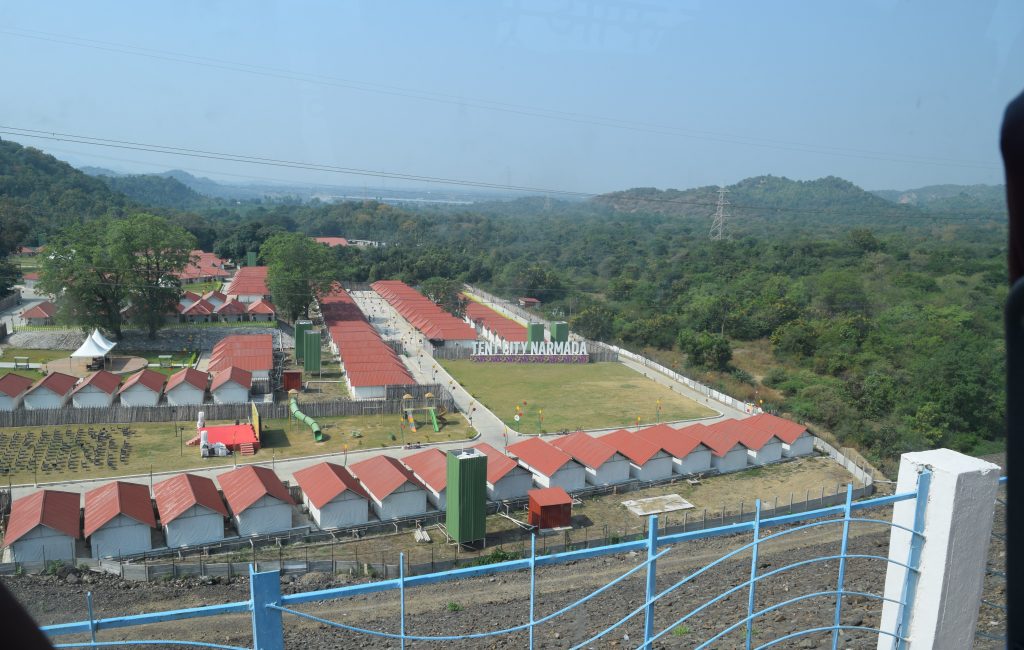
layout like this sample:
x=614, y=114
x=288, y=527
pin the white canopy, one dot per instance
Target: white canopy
x=95, y=346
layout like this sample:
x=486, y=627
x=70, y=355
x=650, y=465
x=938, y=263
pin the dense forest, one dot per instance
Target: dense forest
x=879, y=316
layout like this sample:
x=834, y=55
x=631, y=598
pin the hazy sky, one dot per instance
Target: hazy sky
x=580, y=95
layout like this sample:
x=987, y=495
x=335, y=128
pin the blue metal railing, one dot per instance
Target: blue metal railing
x=266, y=604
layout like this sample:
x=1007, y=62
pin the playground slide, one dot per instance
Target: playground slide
x=293, y=407
x=433, y=418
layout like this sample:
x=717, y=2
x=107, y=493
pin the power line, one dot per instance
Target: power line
x=490, y=105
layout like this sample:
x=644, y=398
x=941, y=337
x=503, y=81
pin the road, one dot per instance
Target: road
x=29, y=298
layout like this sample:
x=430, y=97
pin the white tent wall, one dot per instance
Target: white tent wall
x=122, y=535
x=368, y=392
x=230, y=393
x=698, y=460
x=438, y=499
x=43, y=543
x=44, y=398
x=771, y=452
x=571, y=477
x=733, y=461
x=265, y=516
x=346, y=509
x=406, y=501
x=91, y=397
x=139, y=395
x=196, y=525
x=9, y=403
x=802, y=446
x=94, y=346
x=184, y=394
x=514, y=485
x=658, y=467
x=614, y=470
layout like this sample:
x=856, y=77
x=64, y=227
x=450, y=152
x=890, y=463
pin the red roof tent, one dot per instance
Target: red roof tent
x=246, y=485
x=261, y=307
x=636, y=449
x=57, y=382
x=325, y=481
x=332, y=241
x=201, y=307
x=382, y=475
x=105, y=381
x=151, y=379
x=177, y=494
x=498, y=464
x=190, y=296
x=14, y=385
x=585, y=449
x=118, y=498
x=215, y=295
x=238, y=375
x=431, y=466
x=550, y=508
x=541, y=456
x=231, y=307
x=190, y=376
x=678, y=443
x=51, y=508
x=722, y=436
x=786, y=430
x=252, y=352
x=506, y=328
x=249, y=281
x=233, y=436
x=45, y=309
x=422, y=313
x=202, y=265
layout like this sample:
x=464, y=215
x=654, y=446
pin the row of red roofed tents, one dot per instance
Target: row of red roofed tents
x=491, y=325
x=119, y=516
x=422, y=313
x=370, y=364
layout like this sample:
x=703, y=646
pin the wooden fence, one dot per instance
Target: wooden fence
x=166, y=413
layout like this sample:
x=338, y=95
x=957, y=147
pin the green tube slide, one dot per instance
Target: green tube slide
x=293, y=408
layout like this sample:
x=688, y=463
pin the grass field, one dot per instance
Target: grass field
x=588, y=396
x=34, y=356
x=156, y=447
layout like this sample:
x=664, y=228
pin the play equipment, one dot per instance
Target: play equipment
x=293, y=408
x=433, y=417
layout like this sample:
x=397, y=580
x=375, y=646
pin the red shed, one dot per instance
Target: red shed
x=550, y=508
x=292, y=380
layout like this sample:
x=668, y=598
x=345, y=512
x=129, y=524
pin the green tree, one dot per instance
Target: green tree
x=705, y=349
x=154, y=251
x=594, y=322
x=299, y=269
x=447, y=293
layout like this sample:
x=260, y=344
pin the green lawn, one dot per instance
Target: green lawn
x=34, y=356
x=156, y=446
x=589, y=396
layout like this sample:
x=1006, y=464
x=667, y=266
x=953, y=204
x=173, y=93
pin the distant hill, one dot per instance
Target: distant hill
x=99, y=171
x=964, y=199
x=773, y=198
x=163, y=191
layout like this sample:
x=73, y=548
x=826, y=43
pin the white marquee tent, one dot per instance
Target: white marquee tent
x=95, y=346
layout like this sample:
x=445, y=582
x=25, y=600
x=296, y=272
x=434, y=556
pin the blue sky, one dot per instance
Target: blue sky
x=578, y=95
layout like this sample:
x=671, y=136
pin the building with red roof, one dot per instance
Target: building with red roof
x=492, y=326
x=549, y=465
x=796, y=440
x=144, y=388
x=41, y=314
x=231, y=386
x=332, y=241
x=252, y=352
x=689, y=454
x=259, y=501
x=261, y=310
x=187, y=386
x=51, y=392
x=202, y=267
x=334, y=497
x=728, y=453
x=394, y=491
x=12, y=390
x=430, y=466
x=647, y=461
x=191, y=510
x=119, y=519
x=440, y=327
x=249, y=284
x=215, y=298
x=505, y=478
x=95, y=391
x=763, y=445
x=231, y=311
x=603, y=464
x=43, y=526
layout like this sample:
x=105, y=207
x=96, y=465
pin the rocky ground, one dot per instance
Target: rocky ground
x=502, y=601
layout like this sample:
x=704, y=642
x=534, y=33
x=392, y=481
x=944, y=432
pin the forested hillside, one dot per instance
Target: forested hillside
x=162, y=191
x=879, y=321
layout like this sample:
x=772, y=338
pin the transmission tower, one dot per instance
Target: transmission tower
x=718, y=225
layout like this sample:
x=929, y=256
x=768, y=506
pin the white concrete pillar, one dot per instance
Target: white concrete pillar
x=957, y=526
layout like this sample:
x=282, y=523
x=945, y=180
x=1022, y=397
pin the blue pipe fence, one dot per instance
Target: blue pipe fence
x=267, y=606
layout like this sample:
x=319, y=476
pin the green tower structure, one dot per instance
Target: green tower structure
x=560, y=332
x=535, y=333
x=301, y=327
x=466, y=513
x=250, y=258
x=311, y=351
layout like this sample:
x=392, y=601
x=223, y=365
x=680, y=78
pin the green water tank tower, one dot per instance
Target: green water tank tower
x=311, y=353
x=466, y=514
x=560, y=332
x=535, y=333
x=250, y=258
x=301, y=327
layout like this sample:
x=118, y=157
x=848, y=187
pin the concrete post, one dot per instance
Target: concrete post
x=957, y=523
